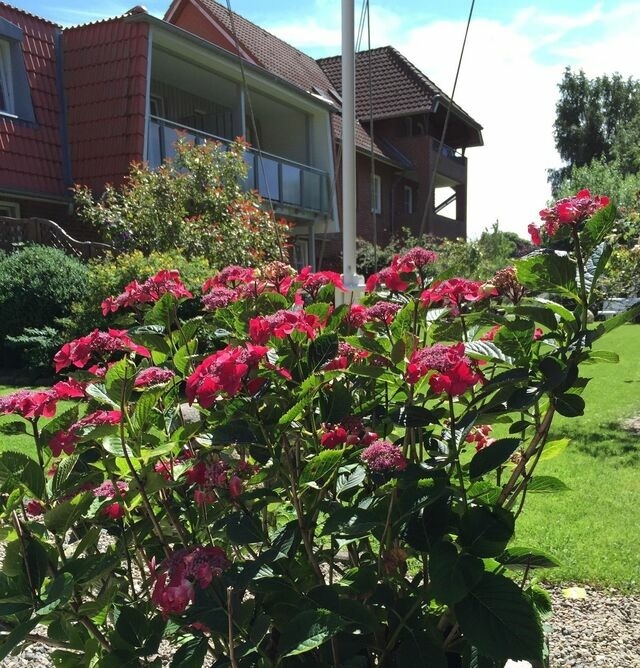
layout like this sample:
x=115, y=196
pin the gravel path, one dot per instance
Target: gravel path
x=600, y=631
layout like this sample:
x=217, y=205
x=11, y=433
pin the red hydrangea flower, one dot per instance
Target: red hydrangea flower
x=384, y=457
x=356, y=316
x=224, y=371
x=455, y=292
x=148, y=292
x=414, y=258
x=389, y=277
x=30, y=404
x=452, y=371
x=98, y=344
x=351, y=431
x=383, y=311
x=219, y=297
x=347, y=354
x=66, y=440
x=281, y=324
x=109, y=491
x=114, y=511
x=231, y=276
x=312, y=282
x=572, y=211
x=177, y=576
x=480, y=435
x=153, y=375
x=34, y=508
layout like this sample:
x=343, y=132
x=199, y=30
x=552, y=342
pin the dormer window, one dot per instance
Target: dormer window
x=6, y=84
x=15, y=96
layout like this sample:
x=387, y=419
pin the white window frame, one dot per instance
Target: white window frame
x=376, y=194
x=9, y=209
x=6, y=78
x=408, y=199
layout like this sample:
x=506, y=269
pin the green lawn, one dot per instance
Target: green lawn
x=594, y=528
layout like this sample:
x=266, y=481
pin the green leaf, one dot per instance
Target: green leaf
x=491, y=457
x=184, y=354
x=546, y=483
x=350, y=522
x=98, y=392
x=17, y=469
x=60, y=518
x=554, y=448
x=191, y=654
x=612, y=323
x=132, y=626
x=453, y=573
x=498, y=619
x=351, y=480
x=413, y=416
x=322, y=350
x=63, y=471
x=487, y=350
x=570, y=405
x=308, y=630
x=544, y=316
x=162, y=311
x=548, y=272
x=336, y=402
x=144, y=409
x=37, y=562
x=594, y=268
x=58, y=593
x=242, y=529
x=524, y=558
x=597, y=228
x=606, y=356
x=419, y=648
x=17, y=635
x=515, y=339
x=321, y=466
x=485, y=532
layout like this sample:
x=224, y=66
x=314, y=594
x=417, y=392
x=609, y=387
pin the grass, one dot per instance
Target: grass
x=593, y=528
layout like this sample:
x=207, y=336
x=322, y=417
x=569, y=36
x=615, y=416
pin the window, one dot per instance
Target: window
x=408, y=199
x=156, y=106
x=376, y=195
x=15, y=95
x=301, y=253
x=9, y=210
x=6, y=86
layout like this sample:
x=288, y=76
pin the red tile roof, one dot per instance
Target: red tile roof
x=399, y=89
x=105, y=79
x=31, y=154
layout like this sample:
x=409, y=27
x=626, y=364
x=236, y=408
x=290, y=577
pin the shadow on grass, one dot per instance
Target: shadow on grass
x=608, y=440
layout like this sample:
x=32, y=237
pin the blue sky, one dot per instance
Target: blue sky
x=516, y=53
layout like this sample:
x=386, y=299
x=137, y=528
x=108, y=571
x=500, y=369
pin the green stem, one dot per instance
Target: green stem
x=455, y=453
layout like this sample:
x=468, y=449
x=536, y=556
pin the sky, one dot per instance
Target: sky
x=515, y=55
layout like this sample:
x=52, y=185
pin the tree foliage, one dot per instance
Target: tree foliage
x=195, y=204
x=597, y=119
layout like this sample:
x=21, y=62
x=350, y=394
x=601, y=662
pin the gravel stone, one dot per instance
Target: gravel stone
x=602, y=630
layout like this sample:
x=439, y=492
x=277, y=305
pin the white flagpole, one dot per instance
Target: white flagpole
x=353, y=282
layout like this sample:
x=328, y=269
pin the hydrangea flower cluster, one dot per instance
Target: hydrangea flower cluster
x=176, y=577
x=148, y=292
x=67, y=439
x=153, y=375
x=570, y=211
x=283, y=323
x=32, y=404
x=404, y=270
x=455, y=293
x=350, y=431
x=97, y=346
x=480, y=435
x=451, y=370
x=383, y=457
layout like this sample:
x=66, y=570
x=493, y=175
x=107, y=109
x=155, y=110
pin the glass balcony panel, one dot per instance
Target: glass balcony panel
x=313, y=195
x=267, y=178
x=291, y=192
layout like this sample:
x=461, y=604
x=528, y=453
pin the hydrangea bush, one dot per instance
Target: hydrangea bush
x=282, y=482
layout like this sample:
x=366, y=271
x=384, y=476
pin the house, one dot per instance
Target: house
x=80, y=104
x=401, y=118
x=95, y=98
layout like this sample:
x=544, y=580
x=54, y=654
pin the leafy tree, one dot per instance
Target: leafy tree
x=596, y=118
x=195, y=204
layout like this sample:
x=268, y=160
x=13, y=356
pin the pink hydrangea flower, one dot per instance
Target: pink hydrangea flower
x=153, y=375
x=384, y=457
x=452, y=371
x=148, y=292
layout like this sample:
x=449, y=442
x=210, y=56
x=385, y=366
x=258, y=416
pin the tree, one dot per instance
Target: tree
x=195, y=204
x=596, y=119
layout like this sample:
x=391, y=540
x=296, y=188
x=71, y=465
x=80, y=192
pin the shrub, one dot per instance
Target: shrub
x=194, y=204
x=332, y=496
x=109, y=275
x=38, y=284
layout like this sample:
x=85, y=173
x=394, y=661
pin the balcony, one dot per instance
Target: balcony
x=451, y=165
x=294, y=188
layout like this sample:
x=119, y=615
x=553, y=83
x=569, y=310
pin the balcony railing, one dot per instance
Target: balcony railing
x=284, y=182
x=448, y=152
